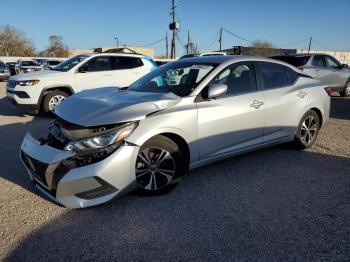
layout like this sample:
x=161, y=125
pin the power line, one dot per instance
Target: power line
x=321, y=45
x=215, y=37
x=156, y=42
x=295, y=43
x=242, y=38
x=210, y=45
x=181, y=42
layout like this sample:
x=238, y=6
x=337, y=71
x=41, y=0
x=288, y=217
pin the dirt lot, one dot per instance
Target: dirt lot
x=273, y=204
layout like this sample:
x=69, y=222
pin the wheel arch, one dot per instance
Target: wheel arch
x=319, y=113
x=65, y=88
x=178, y=139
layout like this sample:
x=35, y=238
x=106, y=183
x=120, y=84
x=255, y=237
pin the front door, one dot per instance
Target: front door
x=235, y=120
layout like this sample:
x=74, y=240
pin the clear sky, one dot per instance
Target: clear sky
x=86, y=24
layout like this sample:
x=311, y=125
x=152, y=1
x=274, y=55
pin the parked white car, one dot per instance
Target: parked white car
x=46, y=89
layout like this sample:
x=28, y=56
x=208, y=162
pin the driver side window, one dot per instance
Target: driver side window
x=239, y=78
x=101, y=63
x=332, y=63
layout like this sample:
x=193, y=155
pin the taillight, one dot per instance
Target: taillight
x=328, y=90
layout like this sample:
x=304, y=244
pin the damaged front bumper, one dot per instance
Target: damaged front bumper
x=82, y=186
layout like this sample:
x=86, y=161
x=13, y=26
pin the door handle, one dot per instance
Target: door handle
x=256, y=104
x=301, y=94
x=107, y=75
x=317, y=69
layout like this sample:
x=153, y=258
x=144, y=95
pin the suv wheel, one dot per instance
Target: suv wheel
x=52, y=99
x=159, y=166
x=346, y=91
x=307, y=130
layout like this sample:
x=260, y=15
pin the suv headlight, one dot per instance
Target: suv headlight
x=106, y=140
x=28, y=82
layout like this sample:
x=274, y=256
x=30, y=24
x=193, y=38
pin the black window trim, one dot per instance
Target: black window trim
x=285, y=68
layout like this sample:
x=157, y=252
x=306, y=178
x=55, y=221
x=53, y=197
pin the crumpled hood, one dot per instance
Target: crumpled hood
x=37, y=75
x=104, y=106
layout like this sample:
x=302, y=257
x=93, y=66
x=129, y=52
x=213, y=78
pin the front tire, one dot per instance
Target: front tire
x=346, y=90
x=159, y=166
x=52, y=99
x=307, y=130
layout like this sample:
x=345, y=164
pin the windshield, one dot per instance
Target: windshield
x=180, y=78
x=70, y=63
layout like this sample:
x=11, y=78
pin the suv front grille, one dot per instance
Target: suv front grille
x=36, y=167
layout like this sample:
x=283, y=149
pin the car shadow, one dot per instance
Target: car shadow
x=272, y=204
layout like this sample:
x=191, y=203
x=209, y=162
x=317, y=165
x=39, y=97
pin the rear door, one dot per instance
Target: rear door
x=235, y=120
x=94, y=73
x=126, y=70
x=284, y=100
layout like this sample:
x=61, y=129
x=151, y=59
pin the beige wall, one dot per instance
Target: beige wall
x=140, y=50
x=342, y=56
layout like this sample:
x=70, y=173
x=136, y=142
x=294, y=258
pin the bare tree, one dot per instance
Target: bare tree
x=262, y=48
x=56, y=47
x=262, y=44
x=15, y=43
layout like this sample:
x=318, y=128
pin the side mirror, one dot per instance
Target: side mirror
x=83, y=69
x=216, y=90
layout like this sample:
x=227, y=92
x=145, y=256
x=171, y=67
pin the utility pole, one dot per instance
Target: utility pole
x=188, y=42
x=310, y=45
x=166, y=45
x=220, y=39
x=173, y=26
x=117, y=39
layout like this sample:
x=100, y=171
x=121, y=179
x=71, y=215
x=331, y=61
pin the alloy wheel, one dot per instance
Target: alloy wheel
x=55, y=100
x=155, y=169
x=347, y=89
x=308, y=130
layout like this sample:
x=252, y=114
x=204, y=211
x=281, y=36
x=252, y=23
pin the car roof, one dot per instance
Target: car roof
x=301, y=55
x=116, y=54
x=222, y=59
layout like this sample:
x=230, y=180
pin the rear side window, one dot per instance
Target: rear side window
x=276, y=76
x=319, y=61
x=119, y=62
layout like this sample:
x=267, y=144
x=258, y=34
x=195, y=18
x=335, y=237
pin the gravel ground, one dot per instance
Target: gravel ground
x=273, y=204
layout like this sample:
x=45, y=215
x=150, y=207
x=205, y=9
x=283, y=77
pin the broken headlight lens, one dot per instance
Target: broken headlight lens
x=101, y=141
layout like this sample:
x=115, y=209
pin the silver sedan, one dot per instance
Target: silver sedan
x=186, y=114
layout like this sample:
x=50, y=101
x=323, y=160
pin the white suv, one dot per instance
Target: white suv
x=45, y=89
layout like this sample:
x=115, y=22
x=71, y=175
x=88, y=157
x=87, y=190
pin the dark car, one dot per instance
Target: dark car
x=4, y=72
x=322, y=67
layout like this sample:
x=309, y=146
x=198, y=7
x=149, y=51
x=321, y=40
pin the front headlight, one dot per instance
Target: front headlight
x=28, y=82
x=105, y=140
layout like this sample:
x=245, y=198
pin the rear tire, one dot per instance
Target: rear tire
x=346, y=90
x=307, y=130
x=52, y=99
x=159, y=166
